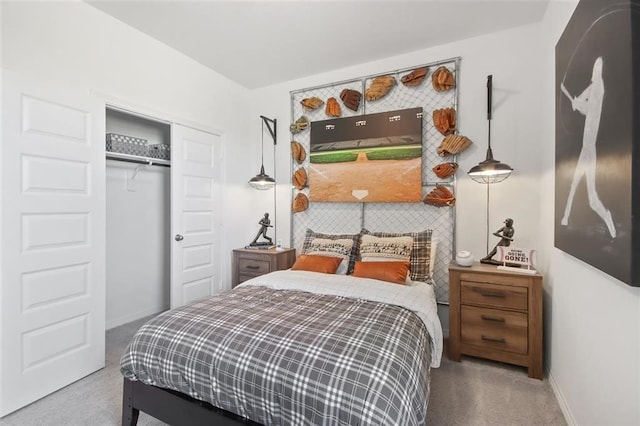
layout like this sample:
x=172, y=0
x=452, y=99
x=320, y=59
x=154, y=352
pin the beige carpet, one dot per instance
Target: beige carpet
x=479, y=392
x=472, y=392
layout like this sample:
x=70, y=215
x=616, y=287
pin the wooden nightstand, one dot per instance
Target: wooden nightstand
x=496, y=314
x=249, y=263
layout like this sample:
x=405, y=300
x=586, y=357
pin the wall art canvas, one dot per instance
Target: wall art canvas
x=367, y=158
x=595, y=177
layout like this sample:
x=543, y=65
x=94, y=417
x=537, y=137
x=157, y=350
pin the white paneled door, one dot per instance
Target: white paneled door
x=52, y=295
x=195, y=187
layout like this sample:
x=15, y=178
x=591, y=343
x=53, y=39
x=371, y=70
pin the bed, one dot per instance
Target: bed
x=289, y=347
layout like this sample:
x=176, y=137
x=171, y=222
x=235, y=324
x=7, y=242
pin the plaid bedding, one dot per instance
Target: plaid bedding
x=289, y=357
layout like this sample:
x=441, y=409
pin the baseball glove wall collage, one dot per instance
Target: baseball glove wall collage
x=432, y=87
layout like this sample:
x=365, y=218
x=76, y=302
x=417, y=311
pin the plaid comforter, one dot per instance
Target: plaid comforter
x=289, y=357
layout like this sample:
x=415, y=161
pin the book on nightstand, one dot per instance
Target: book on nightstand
x=260, y=247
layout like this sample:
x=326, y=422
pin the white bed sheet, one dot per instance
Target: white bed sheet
x=419, y=297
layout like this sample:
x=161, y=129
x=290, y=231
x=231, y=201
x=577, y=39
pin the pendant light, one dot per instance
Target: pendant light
x=262, y=180
x=490, y=170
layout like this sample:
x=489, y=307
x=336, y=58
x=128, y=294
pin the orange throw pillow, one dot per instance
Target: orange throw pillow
x=313, y=263
x=393, y=272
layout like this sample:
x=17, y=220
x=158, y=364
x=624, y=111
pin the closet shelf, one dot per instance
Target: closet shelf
x=138, y=159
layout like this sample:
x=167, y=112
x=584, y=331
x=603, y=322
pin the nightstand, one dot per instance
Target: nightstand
x=248, y=263
x=496, y=314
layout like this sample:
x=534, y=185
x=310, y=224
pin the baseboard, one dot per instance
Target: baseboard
x=564, y=406
x=116, y=322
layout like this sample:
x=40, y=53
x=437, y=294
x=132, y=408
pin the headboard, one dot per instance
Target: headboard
x=334, y=217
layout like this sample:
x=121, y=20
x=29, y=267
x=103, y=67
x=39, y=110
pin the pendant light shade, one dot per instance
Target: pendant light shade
x=262, y=180
x=490, y=170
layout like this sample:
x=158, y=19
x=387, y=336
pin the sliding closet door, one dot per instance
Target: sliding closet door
x=52, y=296
x=195, y=186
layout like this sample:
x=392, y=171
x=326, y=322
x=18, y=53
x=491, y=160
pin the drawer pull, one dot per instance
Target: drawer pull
x=252, y=267
x=493, y=339
x=486, y=293
x=488, y=318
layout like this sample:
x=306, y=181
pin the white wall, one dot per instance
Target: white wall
x=75, y=45
x=593, y=352
x=137, y=252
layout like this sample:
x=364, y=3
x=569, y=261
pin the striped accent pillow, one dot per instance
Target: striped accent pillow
x=353, y=255
x=385, y=249
x=420, y=253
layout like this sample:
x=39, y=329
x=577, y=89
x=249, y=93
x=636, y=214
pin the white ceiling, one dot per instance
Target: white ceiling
x=261, y=43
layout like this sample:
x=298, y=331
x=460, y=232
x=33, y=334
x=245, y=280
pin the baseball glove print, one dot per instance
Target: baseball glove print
x=379, y=87
x=415, y=77
x=444, y=120
x=453, y=144
x=442, y=79
x=351, y=99
x=440, y=196
x=311, y=103
x=444, y=170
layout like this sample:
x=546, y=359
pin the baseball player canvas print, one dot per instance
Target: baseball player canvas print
x=595, y=134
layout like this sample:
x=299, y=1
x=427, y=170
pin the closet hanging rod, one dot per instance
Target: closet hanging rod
x=137, y=159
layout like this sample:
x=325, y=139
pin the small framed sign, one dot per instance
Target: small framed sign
x=519, y=256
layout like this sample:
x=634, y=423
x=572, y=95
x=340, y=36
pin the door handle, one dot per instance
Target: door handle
x=179, y=237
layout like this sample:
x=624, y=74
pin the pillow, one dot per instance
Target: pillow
x=381, y=249
x=324, y=264
x=393, y=272
x=420, y=254
x=340, y=248
x=353, y=256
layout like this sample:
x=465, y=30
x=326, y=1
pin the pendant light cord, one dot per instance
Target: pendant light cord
x=487, y=217
x=489, y=105
x=275, y=203
x=489, y=110
x=489, y=152
x=262, y=144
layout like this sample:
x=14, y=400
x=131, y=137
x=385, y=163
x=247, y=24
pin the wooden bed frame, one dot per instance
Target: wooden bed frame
x=172, y=407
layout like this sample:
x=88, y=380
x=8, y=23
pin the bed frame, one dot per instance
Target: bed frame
x=173, y=407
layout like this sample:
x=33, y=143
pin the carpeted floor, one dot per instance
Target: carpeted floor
x=473, y=392
x=479, y=392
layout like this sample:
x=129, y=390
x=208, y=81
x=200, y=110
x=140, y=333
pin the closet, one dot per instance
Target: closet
x=138, y=225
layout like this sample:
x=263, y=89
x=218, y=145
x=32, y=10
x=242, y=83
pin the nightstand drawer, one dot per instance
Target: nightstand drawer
x=494, y=329
x=493, y=295
x=253, y=266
